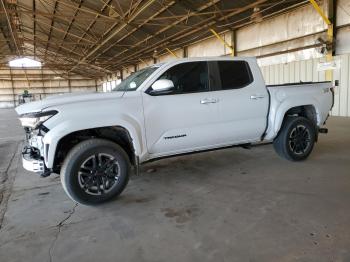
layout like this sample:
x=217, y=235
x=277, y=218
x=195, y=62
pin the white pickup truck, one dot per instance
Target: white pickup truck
x=178, y=107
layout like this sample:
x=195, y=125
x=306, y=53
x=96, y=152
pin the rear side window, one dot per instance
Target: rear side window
x=234, y=74
x=189, y=77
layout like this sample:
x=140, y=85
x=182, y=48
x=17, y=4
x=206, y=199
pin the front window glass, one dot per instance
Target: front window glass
x=188, y=77
x=133, y=81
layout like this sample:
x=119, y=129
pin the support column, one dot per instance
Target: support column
x=185, y=51
x=12, y=87
x=42, y=83
x=331, y=33
x=69, y=84
x=234, y=42
x=329, y=20
x=121, y=74
x=332, y=16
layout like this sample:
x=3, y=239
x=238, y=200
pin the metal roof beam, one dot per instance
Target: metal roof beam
x=184, y=33
x=9, y=22
x=138, y=27
x=190, y=14
x=115, y=32
x=87, y=30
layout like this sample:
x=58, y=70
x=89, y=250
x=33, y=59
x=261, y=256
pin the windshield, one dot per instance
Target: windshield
x=133, y=81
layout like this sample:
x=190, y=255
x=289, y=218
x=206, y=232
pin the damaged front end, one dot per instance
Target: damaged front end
x=33, y=151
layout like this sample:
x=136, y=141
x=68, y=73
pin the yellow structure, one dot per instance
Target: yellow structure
x=330, y=33
x=223, y=41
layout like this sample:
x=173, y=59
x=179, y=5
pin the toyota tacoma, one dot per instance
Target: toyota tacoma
x=94, y=140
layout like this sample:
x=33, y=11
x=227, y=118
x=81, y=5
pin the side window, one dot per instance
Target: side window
x=188, y=77
x=234, y=74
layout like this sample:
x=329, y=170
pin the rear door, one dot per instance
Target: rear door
x=242, y=101
x=183, y=120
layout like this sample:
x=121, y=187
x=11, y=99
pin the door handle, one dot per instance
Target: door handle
x=209, y=101
x=255, y=97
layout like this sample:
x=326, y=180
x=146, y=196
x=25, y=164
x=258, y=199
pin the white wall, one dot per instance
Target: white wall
x=307, y=70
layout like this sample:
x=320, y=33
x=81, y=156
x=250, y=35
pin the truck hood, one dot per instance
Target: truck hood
x=58, y=100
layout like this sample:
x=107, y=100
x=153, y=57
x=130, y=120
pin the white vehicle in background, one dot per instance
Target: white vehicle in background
x=178, y=107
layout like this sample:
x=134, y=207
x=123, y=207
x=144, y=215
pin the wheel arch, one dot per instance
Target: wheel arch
x=308, y=111
x=125, y=137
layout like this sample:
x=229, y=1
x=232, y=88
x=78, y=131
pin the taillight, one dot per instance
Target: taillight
x=332, y=90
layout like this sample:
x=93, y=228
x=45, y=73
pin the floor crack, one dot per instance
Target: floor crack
x=59, y=226
x=6, y=185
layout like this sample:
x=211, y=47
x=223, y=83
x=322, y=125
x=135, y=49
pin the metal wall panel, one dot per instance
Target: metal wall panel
x=39, y=83
x=307, y=70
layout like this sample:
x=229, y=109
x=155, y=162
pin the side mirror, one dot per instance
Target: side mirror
x=162, y=86
x=132, y=85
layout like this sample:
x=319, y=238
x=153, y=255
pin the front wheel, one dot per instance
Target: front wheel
x=95, y=171
x=296, y=138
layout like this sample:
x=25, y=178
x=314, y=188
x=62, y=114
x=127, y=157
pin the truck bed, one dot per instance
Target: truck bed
x=299, y=83
x=318, y=95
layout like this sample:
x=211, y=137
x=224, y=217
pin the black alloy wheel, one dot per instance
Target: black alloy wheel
x=95, y=171
x=98, y=174
x=296, y=138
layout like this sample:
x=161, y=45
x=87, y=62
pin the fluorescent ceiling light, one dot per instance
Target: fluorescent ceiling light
x=24, y=62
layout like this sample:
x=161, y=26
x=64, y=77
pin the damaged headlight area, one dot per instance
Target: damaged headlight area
x=33, y=120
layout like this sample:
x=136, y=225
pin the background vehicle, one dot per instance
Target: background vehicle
x=182, y=106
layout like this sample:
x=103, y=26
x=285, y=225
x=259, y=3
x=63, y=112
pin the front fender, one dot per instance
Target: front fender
x=68, y=126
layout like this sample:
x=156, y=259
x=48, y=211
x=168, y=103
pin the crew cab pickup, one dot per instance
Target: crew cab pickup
x=188, y=105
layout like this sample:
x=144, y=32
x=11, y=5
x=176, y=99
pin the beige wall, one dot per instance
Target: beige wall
x=210, y=47
x=145, y=63
x=167, y=56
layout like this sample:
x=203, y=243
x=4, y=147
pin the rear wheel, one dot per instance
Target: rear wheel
x=95, y=171
x=296, y=138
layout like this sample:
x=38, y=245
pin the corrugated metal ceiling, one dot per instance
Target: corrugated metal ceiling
x=95, y=37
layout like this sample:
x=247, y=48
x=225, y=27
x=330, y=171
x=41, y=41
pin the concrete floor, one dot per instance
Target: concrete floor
x=231, y=205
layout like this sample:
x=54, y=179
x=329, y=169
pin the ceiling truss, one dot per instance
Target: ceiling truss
x=99, y=37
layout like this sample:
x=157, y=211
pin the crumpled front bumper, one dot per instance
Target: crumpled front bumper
x=33, y=165
x=33, y=153
x=32, y=161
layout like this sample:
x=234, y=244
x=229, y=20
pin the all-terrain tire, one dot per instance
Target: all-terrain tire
x=296, y=138
x=72, y=175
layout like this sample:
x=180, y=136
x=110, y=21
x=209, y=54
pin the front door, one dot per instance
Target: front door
x=183, y=120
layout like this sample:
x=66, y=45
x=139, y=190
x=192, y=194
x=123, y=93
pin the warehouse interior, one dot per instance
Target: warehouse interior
x=229, y=205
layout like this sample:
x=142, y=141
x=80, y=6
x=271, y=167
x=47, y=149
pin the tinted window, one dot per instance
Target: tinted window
x=188, y=77
x=234, y=74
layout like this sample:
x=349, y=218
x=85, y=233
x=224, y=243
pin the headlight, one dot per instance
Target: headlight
x=33, y=120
